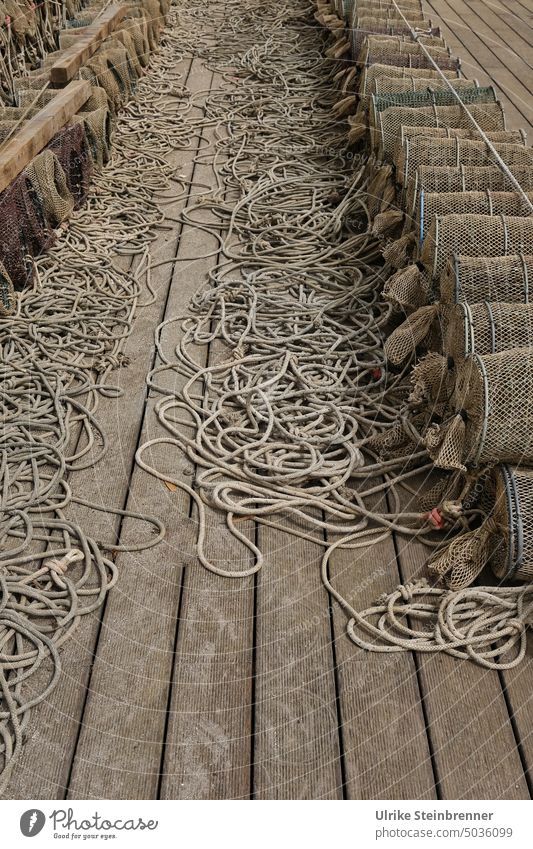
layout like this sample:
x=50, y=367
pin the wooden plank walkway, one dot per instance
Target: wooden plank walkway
x=191, y=686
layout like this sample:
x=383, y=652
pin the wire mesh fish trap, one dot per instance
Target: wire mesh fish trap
x=385, y=132
x=366, y=114
x=474, y=235
x=370, y=75
x=474, y=279
x=395, y=51
x=432, y=204
x=486, y=328
x=492, y=421
x=512, y=543
x=384, y=86
x=454, y=152
x=393, y=27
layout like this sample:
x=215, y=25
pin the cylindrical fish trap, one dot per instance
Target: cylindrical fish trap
x=486, y=328
x=370, y=26
x=385, y=126
x=433, y=204
x=395, y=51
x=512, y=541
x=370, y=75
x=464, y=178
x=475, y=279
x=421, y=151
x=384, y=86
x=474, y=235
x=493, y=420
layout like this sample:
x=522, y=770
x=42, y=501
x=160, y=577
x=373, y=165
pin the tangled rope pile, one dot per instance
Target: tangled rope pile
x=286, y=423
x=58, y=352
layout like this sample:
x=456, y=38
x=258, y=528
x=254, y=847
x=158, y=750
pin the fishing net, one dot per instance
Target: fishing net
x=394, y=51
x=49, y=183
x=25, y=231
x=432, y=204
x=474, y=279
x=386, y=85
x=136, y=24
x=385, y=132
x=99, y=73
x=7, y=129
x=474, y=235
x=71, y=148
x=97, y=127
x=7, y=293
x=492, y=422
x=384, y=26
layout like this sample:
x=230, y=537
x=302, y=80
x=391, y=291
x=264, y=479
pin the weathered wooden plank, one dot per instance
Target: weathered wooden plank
x=208, y=740
x=297, y=753
x=475, y=751
x=477, y=55
x=38, y=131
x=68, y=65
x=43, y=771
x=386, y=746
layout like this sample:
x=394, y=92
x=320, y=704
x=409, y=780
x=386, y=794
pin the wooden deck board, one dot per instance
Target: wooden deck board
x=487, y=56
x=297, y=747
x=474, y=749
x=187, y=685
x=386, y=747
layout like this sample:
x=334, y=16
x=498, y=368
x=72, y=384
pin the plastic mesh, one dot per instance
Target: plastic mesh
x=489, y=116
x=49, y=183
x=474, y=235
x=475, y=279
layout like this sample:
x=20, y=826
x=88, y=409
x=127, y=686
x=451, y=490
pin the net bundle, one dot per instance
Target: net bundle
x=28, y=33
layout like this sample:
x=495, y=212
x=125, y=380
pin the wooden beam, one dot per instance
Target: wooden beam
x=37, y=132
x=68, y=65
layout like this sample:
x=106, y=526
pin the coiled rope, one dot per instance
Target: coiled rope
x=283, y=423
x=58, y=353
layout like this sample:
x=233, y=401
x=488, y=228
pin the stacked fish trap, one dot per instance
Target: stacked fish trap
x=450, y=192
x=57, y=179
